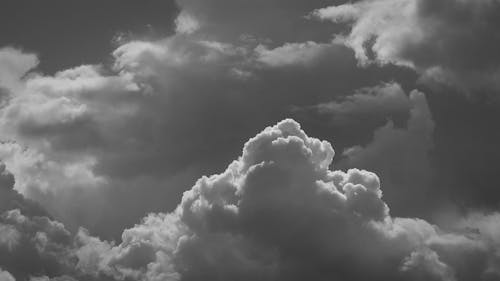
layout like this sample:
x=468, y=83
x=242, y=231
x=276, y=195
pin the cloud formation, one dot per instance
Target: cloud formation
x=450, y=42
x=99, y=145
x=280, y=213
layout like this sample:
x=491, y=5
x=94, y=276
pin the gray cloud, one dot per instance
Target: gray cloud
x=448, y=42
x=280, y=213
x=100, y=145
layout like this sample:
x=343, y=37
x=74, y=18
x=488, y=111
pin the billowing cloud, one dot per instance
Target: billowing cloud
x=450, y=42
x=100, y=145
x=280, y=213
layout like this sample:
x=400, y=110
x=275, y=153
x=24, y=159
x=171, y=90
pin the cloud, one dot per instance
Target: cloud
x=279, y=213
x=436, y=39
x=291, y=54
x=99, y=145
x=14, y=64
x=30, y=240
x=6, y=276
x=11, y=199
x=99, y=130
x=185, y=23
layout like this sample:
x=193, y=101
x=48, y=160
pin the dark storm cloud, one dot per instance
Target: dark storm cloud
x=448, y=42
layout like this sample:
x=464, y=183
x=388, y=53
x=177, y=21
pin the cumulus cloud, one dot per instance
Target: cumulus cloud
x=279, y=213
x=450, y=42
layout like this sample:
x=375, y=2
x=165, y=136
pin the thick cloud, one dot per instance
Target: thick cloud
x=280, y=213
x=100, y=145
x=452, y=42
x=276, y=213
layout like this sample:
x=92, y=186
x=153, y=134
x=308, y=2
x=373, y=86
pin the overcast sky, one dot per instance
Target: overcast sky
x=162, y=140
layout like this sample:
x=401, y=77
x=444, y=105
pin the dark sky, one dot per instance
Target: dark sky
x=68, y=33
x=271, y=140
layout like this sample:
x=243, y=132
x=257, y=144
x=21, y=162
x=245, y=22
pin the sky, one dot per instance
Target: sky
x=280, y=140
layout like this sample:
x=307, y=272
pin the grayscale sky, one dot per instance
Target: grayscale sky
x=162, y=140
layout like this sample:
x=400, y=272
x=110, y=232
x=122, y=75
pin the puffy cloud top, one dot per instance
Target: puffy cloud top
x=280, y=213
